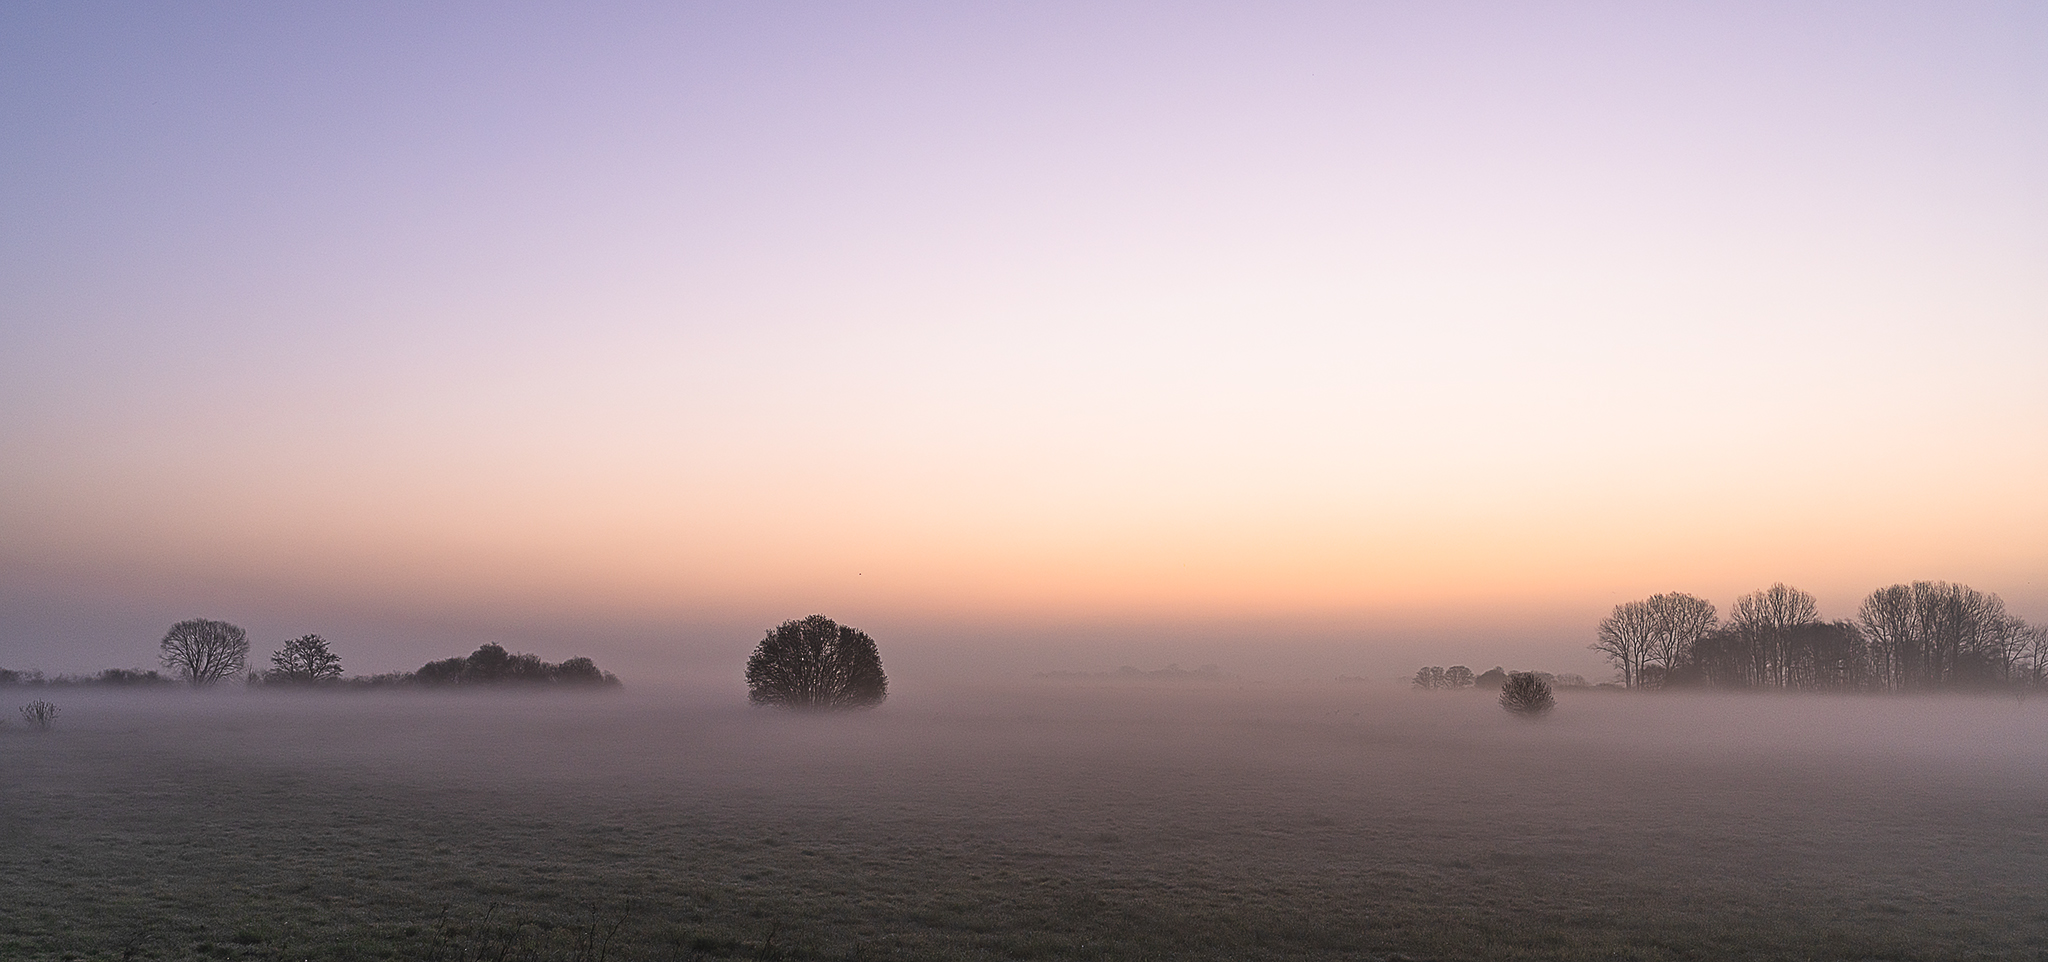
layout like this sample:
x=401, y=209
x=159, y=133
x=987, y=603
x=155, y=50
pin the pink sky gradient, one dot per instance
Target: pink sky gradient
x=1360, y=329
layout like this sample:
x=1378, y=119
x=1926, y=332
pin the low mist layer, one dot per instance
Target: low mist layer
x=1058, y=819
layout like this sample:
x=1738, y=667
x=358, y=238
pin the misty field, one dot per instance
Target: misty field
x=1035, y=822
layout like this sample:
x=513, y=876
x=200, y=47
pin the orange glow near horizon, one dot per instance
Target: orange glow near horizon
x=1017, y=314
x=543, y=546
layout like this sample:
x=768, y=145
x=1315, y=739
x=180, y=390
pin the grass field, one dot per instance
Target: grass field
x=1035, y=822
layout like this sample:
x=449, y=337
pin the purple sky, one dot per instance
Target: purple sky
x=1034, y=336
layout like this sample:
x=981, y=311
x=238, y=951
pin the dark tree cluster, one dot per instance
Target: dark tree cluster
x=1927, y=635
x=816, y=663
x=492, y=665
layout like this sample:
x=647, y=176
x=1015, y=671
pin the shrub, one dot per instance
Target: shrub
x=1527, y=695
x=39, y=715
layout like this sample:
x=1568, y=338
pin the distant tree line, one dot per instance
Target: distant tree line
x=493, y=665
x=1458, y=677
x=110, y=678
x=200, y=652
x=1924, y=636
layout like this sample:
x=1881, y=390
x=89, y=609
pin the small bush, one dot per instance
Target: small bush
x=39, y=715
x=1527, y=695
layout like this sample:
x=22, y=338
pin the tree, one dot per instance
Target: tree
x=1457, y=676
x=583, y=671
x=2034, y=656
x=1763, y=622
x=1429, y=679
x=1932, y=634
x=203, y=652
x=447, y=671
x=1719, y=659
x=1625, y=639
x=1527, y=694
x=1678, y=621
x=816, y=663
x=1658, y=631
x=491, y=664
x=1825, y=656
x=304, y=661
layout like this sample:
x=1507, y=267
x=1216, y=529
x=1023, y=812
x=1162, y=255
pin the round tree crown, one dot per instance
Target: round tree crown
x=816, y=663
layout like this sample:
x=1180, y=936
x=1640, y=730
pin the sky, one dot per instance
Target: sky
x=1036, y=336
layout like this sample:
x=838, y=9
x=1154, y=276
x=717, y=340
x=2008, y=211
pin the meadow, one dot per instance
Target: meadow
x=1043, y=820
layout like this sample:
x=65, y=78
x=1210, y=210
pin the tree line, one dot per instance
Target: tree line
x=1458, y=677
x=201, y=652
x=1924, y=636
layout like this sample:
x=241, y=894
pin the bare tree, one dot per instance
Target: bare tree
x=305, y=660
x=1625, y=638
x=2033, y=659
x=1527, y=694
x=815, y=662
x=1763, y=622
x=1429, y=679
x=1657, y=631
x=1678, y=622
x=1824, y=656
x=203, y=652
x=1933, y=634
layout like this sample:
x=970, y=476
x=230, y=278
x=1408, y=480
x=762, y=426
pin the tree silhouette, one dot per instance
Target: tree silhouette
x=303, y=661
x=582, y=671
x=1625, y=638
x=1933, y=634
x=1764, y=622
x=1653, y=633
x=203, y=652
x=1527, y=695
x=816, y=663
x=2033, y=660
x=491, y=664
